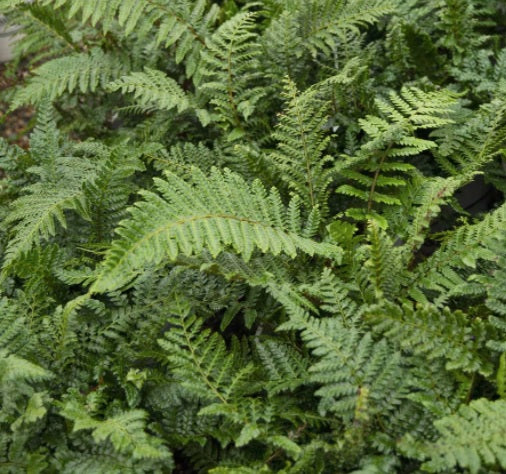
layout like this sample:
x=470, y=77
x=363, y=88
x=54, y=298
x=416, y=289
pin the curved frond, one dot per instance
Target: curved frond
x=81, y=72
x=212, y=212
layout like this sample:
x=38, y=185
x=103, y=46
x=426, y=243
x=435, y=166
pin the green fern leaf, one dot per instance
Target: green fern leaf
x=472, y=439
x=428, y=331
x=229, y=72
x=153, y=90
x=78, y=72
x=126, y=431
x=214, y=212
x=301, y=143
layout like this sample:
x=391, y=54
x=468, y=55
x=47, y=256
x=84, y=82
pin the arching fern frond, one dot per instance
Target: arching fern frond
x=212, y=212
x=154, y=90
x=81, y=72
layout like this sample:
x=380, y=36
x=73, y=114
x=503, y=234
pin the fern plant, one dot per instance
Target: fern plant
x=238, y=241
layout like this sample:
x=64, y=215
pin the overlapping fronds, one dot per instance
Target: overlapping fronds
x=376, y=172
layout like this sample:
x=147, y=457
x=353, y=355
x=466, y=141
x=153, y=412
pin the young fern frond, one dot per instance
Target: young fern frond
x=125, y=431
x=300, y=155
x=212, y=212
x=79, y=72
x=374, y=171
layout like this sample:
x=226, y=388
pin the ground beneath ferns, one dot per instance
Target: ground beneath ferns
x=15, y=125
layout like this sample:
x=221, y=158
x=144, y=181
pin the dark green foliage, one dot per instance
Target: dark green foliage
x=239, y=240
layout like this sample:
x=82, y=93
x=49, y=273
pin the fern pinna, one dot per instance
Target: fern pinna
x=238, y=241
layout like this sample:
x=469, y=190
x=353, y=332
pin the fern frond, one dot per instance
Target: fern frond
x=14, y=368
x=426, y=330
x=374, y=171
x=472, y=439
x=323, y=22
x=459, y=252
x=212, y=212
x=229, y=72
x=334, y=296
x=383, y=265
x=301, y=144
x=429, y=196
x=81, y=72
x=349, y=364
x=181, y=23
x=201, y=362
x=125, y=430
x=34, y=216
x=467, y=146
x=286, y=368
x=154, y=90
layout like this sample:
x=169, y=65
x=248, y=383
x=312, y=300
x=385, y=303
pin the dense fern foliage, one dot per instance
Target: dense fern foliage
x=255, y=237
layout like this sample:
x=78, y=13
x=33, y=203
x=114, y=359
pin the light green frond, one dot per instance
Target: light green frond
x=471, y=439
x=301, y=144
x=374, y=174
x=14, y=368
x=229, y=74
x=125, y=430
x=212, y=212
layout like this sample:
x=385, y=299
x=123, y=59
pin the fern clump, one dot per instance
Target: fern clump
x=255, y=237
